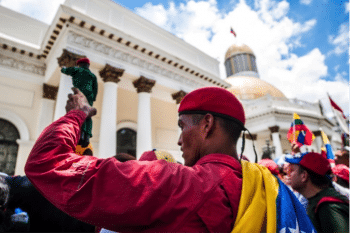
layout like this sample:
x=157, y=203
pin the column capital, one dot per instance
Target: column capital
x=49, y=92
x=178, y=96
x=317, y=133
x=111, y=74
x=253, y=137
x=68, y=59
x=144, y=84
x=274, y=129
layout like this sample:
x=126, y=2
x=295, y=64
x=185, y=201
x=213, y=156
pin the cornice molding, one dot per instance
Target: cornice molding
x=80, y=40
x=144, y=84
x=111, y=74
x=22, y=65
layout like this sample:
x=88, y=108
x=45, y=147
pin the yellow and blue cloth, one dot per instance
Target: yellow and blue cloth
x=263, y=191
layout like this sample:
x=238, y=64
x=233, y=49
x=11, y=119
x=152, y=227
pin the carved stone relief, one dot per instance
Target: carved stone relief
x=111, y=74
x=49, y=92
x=74, y=38
x=68, y=59
x=178, y=96
x=144, y=84
x=22, y=65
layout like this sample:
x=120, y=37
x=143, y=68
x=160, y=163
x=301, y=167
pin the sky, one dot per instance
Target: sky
x=301, y=46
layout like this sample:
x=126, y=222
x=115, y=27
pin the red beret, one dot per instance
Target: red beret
x=342, y=171
x=215, y=100
x=271, y=165
x=313, y=161
x=83, y=60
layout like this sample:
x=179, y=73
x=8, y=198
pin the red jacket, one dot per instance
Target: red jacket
x=135, y=195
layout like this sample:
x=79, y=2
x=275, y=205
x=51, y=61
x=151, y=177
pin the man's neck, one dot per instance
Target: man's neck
x=310, y=191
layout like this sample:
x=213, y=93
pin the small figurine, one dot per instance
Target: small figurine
x=86, y=82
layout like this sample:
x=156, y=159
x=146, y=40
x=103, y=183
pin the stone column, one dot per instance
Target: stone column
x=248, y=148
x=108, y=124
x=144, y=130
x=276, y=140
x=67, y=59
x=318, y=140
x=46, y=114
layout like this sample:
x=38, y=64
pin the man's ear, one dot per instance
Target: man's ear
x=304, y=176
x=208, y=124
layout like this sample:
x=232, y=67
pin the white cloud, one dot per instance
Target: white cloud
x=269, y=32
x=347, y=9
x=340, y=41
x=305, y=2
x=38, y=9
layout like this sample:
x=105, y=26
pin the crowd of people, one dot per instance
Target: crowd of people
x=216, y=190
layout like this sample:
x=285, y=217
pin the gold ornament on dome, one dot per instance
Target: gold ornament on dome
x=238, y=49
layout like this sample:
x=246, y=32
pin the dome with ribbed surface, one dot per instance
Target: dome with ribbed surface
x=247, y=88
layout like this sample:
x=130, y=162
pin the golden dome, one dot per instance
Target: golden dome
x=248, y=88
x=238, y=49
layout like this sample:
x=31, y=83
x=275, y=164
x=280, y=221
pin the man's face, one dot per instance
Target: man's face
x=295, y=177
x=190, y=140
x=341, y=157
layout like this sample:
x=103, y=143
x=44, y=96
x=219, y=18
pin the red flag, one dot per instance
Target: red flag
x=233, y=32
x=336, y=107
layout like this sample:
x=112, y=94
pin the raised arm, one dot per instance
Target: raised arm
x=105, y=192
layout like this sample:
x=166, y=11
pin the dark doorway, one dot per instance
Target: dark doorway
x=8, y=147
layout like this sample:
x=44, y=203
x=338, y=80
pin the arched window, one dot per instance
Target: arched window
x=126, y=141
x=8, y=147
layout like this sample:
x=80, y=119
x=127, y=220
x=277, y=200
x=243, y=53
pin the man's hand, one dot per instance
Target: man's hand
x=295, y=148
x=78, y=101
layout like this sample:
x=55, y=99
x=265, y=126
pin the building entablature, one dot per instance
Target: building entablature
x=110, y=39
x=109, y=14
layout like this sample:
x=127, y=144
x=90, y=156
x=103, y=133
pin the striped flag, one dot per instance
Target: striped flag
x=339, y=115
x=328, y=146
x=233, y=32
x=299, y=133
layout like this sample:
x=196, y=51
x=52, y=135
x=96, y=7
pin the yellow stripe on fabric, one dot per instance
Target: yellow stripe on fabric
x=258, y=199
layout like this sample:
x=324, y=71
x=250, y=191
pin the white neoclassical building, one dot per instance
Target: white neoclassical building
x=269, y=113
x=143, y=72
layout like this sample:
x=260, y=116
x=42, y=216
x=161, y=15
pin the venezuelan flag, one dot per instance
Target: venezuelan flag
x=299, y=133
x=263, y=191
x=328, y=146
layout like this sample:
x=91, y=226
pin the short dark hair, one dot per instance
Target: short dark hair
x=316, y=179
x=231, y=128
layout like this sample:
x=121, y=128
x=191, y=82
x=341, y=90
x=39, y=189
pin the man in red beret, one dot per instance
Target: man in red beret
x=157, y=196
x=309, y=174
x=86, y=82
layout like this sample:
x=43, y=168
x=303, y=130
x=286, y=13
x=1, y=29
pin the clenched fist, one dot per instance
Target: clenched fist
x=78, y=101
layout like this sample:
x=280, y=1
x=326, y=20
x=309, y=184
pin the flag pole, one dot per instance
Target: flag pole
x=294, y=139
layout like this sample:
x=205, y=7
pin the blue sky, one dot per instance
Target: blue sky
x=301, y=45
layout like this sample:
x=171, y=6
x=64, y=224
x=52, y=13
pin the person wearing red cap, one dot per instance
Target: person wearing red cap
x=309, y=174
x=86, y=82
x=156, y=196
x=342, y=156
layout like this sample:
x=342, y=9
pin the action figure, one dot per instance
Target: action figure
x=86, y=82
